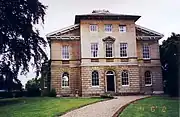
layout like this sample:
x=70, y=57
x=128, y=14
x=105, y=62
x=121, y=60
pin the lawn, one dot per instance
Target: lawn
x=41, y=106
x=153, y=107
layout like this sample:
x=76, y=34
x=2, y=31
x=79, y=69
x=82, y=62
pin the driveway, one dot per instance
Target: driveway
x=102, y=109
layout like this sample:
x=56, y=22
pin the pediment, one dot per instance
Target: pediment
x=109, y=39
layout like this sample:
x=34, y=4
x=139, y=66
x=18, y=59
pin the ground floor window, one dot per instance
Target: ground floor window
x=65, y=79
x=95, y=78
x=148, y=78
x=125, y=80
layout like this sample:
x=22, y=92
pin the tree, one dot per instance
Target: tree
x=33, y=87
x=20, y=42
x=170, y=60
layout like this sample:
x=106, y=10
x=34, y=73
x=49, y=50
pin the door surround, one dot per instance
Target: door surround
x=114, y=79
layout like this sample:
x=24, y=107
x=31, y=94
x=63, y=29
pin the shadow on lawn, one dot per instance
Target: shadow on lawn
x=4, y=102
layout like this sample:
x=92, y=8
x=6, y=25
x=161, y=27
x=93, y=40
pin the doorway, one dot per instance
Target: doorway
x=110, y=81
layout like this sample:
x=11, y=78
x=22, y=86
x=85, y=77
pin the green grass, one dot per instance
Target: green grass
x=153, y=107
x=41, y=106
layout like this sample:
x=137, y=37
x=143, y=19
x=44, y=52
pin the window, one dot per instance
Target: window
x=65, y=52
x=122, y=28
x=123, y=49
x=93, y=28
x=94, y=49
x=109, y=47
x=108, y=27
x=125, y=81
x=146, y=51
x=65, y=79
x=95, y=78
x=46, y=80
x=148, y=78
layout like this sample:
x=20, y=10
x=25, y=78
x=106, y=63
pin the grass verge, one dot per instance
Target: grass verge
x=155, y=106
x=41, y=106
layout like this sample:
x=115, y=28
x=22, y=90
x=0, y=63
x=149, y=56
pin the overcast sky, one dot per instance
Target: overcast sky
x=160, y=15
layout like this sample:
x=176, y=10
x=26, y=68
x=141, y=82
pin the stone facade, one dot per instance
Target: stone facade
x=80, y=64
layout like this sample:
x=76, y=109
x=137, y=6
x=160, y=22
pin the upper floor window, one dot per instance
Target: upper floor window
x=146, y=51
x=93, y=28
x=125, y=79
x=108, y=27
x=148, y=78
x=123, y=49
x=122, y=28
x=95, y=78
x=65, y=52
x=65, y=79
x=109, y=49
x=94, y=49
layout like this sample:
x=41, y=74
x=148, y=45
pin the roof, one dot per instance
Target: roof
x=58, y=33
x=105, y=15
x=63, y=30
x=148, y=30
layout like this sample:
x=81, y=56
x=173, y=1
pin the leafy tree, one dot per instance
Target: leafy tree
x=20, y=42
x=170, y=60
x=33, y=87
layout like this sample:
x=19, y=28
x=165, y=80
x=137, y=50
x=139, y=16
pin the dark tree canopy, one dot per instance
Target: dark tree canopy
x=20, y=43
x=170, y=60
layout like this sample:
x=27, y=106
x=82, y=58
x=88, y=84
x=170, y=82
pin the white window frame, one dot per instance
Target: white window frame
x=108, y=28
x=122, y=28
x=93, y=28
x=62, y=80
x=112, y=50
x=146, y=51
x=124, y=50
x=96, y=80
x=65, y=52
x=148, y=77
x=123, y=78
x=94, y=50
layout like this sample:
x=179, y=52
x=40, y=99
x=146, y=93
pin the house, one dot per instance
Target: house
x=105, y=52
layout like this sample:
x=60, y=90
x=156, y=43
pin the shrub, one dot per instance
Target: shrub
x=52, y=93
x=107, y=95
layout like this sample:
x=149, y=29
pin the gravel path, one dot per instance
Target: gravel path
x=102, y=109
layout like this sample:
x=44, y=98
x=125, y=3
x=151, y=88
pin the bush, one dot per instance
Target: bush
x=107, y=95
x=52, y=93
x=33, y=88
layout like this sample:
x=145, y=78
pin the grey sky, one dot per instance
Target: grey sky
x=160, y=15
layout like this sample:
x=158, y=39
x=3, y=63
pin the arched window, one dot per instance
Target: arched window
x=95, y=78
x=148, y=78
x=110, y=73
x=65, y=79
x=125, y=80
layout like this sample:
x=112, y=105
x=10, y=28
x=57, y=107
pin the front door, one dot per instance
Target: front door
x=110, y=81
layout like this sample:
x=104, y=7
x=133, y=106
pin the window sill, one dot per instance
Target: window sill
x=65, y=87
x=148, y=85
x=65, y=59
x=93, y=31
x=146, y=58
x=125, y=85
x=109, y=57
x=107, y=32
x=124, y=57
x=95, y=86
x=121, y=32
